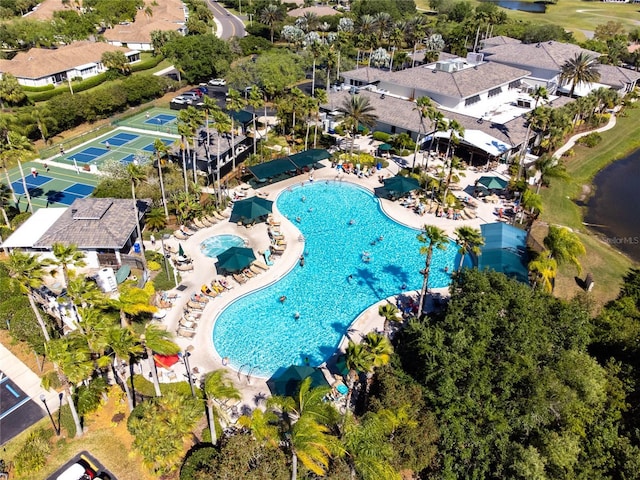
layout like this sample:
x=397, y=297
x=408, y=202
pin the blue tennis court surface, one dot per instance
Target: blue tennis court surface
x=80, y=189
x=161, y=119
x=119, y=139
x=151, y=148
x=36, y=181
x=128, y=159
x=88, y=154
x=66, y=197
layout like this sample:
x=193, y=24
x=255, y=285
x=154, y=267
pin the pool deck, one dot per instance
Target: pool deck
x=203, y=356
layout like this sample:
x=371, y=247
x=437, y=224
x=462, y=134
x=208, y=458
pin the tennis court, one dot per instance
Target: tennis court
x=54, y=187
x=161, y=120
x=120, y=145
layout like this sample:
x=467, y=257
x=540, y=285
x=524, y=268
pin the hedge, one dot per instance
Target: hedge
x=147, y=64
x=382, y=136
x=43, y=88
x=48, y=95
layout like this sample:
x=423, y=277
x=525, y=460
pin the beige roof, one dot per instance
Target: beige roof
x=166, y=15
x=499, y=40
x=47, y=7
x=617, y=77
x=93, y=223
x=320, y=11
x=461, y=84
x=402, y=114
x=548, y=55
x=40, y=62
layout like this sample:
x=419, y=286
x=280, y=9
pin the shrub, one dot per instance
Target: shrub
x=145, y=387
x=20, y=219
x=150, y=62
x=252, y=45
x=66, y=421
x=90, y=83
x=43, y=88
x=381, y=136
x=44, y=96
x=590, y=140
x=569, y=153
x=153, y=266
x=33, y=455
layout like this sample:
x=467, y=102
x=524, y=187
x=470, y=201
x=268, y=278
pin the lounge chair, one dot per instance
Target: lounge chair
x=255, y=270
x=186, y=332
x=211, y=219
x=170, y=249
x=218, y=216
x=267, y=256
x=239, y=278
x=196, y=305
x=208, y=292
x=200, y=298
x=278, y=247
x=272, y=222
x=260, y=265
x=180, y=235
x=188, y=323
x=198, y=223
x=192, y=315
x=184, y=267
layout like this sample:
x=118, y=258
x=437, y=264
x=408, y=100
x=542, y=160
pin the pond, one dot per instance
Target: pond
x=531, y=7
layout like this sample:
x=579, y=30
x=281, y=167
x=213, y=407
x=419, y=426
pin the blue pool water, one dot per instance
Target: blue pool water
x=259, y=333
x=214, y=246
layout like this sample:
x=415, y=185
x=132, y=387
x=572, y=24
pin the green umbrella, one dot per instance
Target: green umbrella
x=235, y=259
x=287, y=383
x=385, y=147
x=180, y=250
x=492, y=183
x=400, y=184
x=250, y=209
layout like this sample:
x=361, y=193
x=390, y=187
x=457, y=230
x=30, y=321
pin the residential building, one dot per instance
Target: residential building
x=39, y=67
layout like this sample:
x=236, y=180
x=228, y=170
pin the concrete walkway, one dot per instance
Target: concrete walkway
x=572, y=141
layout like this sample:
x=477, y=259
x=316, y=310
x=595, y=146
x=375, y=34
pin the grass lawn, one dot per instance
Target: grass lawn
x=561, y=206
x=574, y=15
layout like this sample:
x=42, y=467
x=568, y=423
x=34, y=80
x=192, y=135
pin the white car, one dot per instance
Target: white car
x=181, y=100
x=217, y=82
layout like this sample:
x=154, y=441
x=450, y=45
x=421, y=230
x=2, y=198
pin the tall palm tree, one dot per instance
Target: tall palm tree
x=312, y=443
x=358, y=111
x=263, y=426
x=161, y=151
x=184, y=130
x=545, y=269
x=218, y=389
x=270, y=16
x=564, y=246
x=538, y=94
x=316, y=48
x=136, y=176
x=192, y=119
x=222, y=124
x=68, y=256
x=155, y=339
x=27, y=273
x=583, y=68
x=432, y=236
x=390, y=314
x=358, y=359
x=321, y=98
x=124, y=346
x=132, y=301
x=469, y=240
x=379, y=347
x=255, y=101
x=424, y=107
x=550, y=167
x=235, y=103
x=5, y=197
x=42, y=119
x=18, y=146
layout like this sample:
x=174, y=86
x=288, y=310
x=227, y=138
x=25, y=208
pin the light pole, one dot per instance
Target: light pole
x=164, y=254
x=185, y=358
x=43, y=399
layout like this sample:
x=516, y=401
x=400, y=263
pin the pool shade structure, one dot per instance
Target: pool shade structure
x=400, y=185
x=492, y=183
x=251, y=209
x=385, y=147
x=287, y=383
x=165, y=361
x=235, y=259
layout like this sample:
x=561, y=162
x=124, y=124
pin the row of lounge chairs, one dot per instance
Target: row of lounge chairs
x=256, y=268
x=188, y=323
x=206, y=221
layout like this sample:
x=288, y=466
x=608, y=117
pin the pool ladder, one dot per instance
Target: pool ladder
x=249, y=371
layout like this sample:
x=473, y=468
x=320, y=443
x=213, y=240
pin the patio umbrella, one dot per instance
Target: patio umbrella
x=165, y=361
x=235, y=259
x=400, y=184
x=180, y=250
x=287, y=382
x=492, y=183
x=385, y=147
x=250, y=209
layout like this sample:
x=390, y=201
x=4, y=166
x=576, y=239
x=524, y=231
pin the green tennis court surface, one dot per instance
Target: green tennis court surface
x=55, y=187
x=159, y=120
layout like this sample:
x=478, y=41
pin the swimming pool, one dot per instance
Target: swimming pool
x=214, y=246
x=258, y=333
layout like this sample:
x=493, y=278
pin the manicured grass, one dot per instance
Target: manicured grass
x=574, y=15
x=561, y=207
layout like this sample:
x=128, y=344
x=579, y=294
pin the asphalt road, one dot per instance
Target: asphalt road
x=232, y=26
x=17, y=410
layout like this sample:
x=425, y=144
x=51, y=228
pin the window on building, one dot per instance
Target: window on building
x=514, y=84
x=495, y=91
x=472, y=100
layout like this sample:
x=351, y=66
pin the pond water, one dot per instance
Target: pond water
x=531, y=7
x=614, y=210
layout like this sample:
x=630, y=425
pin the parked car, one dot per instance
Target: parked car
x=182, y=100
x=191, y=96
x=81, y=470
x=217, y=82
x=203, y=88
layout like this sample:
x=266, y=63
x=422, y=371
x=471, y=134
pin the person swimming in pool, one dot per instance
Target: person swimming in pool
x=283, y=299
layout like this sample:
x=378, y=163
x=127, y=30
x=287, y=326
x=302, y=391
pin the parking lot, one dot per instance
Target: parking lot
x=17, y=410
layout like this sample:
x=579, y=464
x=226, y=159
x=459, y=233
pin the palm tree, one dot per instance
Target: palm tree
x=17, y=146
x=379, y=347
x=42, y=118
x=550, y=167
x=358, y=359
x=156, y=219
x=192, y=119
x=539, y=93
x=255, y=101
x=218, y=389
x=583, y=68
x=270, y=16
x=154, y=339
x=432, y=236
x=124, y=345
x=531, y=202
x=469, y=240
x=312, y=443
x=27, y=273
x=358, y=111
x=545, y=269
x=132, y=301
x=425, y=107
x=185, y=131
x=263, y=425
x=5, y=197
x=390, y=314
x=68, y=255
x=222, y=124
x=137, y=176
x=564, y=246
x=315, y=48
x=161, y=151
x=235, y=103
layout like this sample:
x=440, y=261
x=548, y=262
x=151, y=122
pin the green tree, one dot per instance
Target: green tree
x=124, y=347
x=10, y=90
x=564, y=246
x=390, y=313
x=358, y=111
x=68, y=256
x=136, y=176
x=235, y=103
x=161, y=151
x=549, y=167
x=116, y=60
x=18, y=147
x=545, y=270
x=271, y=15
x=583, y=68
x=469, y=240
x=5, y=198
x=218, y=389
x=155, y=339
x=431, y=237
x=358, y=360
x=198, y=57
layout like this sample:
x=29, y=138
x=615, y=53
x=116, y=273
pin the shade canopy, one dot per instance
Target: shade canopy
x=165, y=361
x=180, y=250
x=385, y=147
x=235, y=259
x=309, y=157
x=492, y=183
x=400, y=184
x=250, y=209
x=287, y=383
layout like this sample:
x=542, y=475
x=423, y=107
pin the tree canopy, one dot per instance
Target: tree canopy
x=199, y=57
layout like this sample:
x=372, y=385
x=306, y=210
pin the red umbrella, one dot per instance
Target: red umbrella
x=165, y=361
